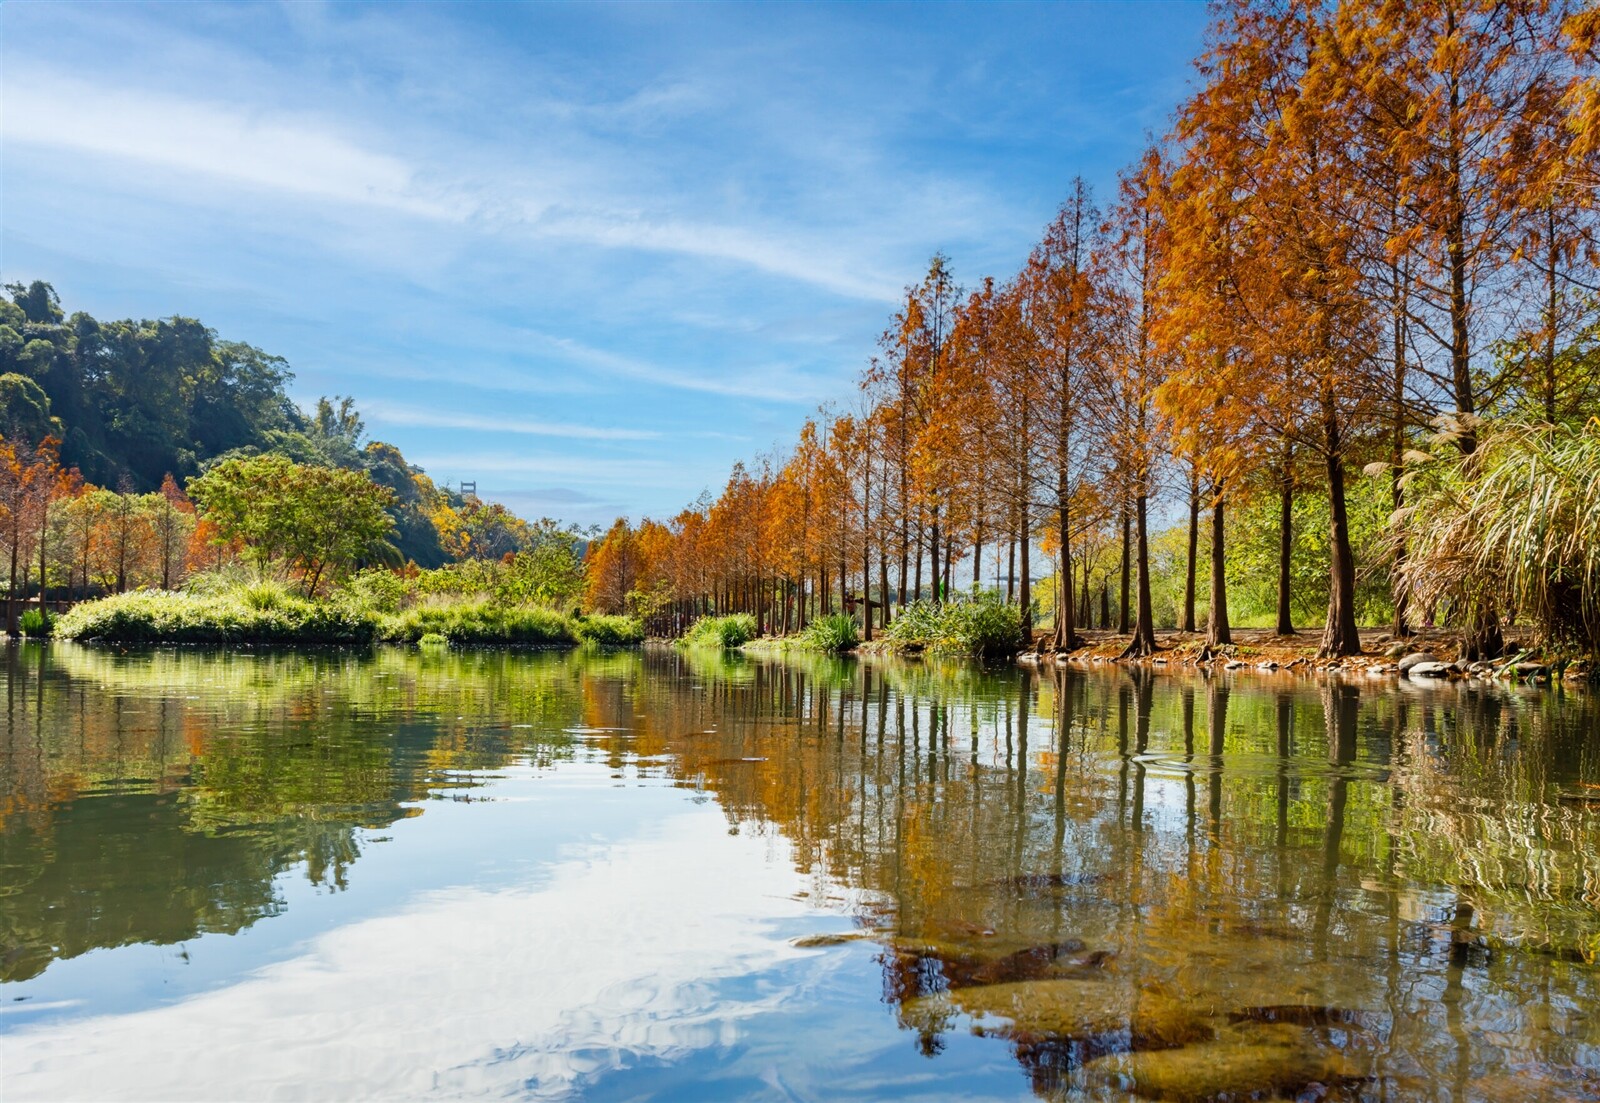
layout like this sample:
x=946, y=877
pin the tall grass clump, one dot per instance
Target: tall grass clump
x=734, y=630
x=833, y=633
x=37, y=623
x=1509, y=530
x=982, y=626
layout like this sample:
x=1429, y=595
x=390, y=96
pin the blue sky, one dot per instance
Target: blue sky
x=588, y=256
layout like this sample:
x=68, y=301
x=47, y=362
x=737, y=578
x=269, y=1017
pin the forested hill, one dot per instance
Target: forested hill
x=132, y=401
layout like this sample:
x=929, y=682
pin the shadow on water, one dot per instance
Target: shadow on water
x=1184, y=887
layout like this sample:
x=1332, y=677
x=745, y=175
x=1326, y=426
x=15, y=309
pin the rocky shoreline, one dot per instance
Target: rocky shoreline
x=1428, y=656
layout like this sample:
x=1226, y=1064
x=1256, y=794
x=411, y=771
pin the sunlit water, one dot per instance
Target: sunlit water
x=677, y=876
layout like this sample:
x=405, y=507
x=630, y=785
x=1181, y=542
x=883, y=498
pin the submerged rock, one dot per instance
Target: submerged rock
x=1246, y=1061
x=959, y=965
x=818, y=941
x=1070, y=1011
x=1426, y=670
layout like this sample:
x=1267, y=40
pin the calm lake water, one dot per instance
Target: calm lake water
x=675, y=876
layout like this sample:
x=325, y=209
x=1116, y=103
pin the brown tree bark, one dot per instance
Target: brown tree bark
x=1217, y=633
x=1194, y=549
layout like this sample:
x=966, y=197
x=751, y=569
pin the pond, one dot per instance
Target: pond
x=671, y=875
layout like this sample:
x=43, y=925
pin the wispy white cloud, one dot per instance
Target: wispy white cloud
x=488, y=992
x=390, y=413
x=768, y=383
x=274, y=152
x=581, y=469
x=738, y=245
x=314, y=158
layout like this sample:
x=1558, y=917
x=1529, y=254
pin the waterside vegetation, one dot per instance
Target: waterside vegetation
x=1338, y=330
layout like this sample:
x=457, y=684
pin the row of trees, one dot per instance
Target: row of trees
x=1372, y=220
x=313, y=523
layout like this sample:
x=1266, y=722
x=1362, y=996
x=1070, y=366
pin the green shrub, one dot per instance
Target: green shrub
x=378, y=589
x=432, y=639
x=984, y=625
x=610, y=631
x=37, y=623
x=834, y=632
x=734, y=630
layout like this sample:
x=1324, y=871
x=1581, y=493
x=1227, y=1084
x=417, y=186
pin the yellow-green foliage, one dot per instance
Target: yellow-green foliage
x=242, y=616
x=266, y=612
x=472, y=623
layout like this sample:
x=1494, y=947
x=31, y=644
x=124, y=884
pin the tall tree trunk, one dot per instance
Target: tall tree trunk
x=866, y=580
x=933, y=564
x=1144, y=623
x=44, y=530
x=1217, y=632
x=883, y=584
x=11, y=591
x=1024, y=586
x=1194, y=549
x=916, y=590
x=1341, y=637
x=1124, y=613
x=1397, y=448
x=977, y=559
x=1551, y=304
x=1285, y=544
x=949, y=562
x=1011, y=570
x=1458, y=262
x=1066, y=633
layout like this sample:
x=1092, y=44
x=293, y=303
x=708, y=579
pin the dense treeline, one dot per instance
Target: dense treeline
x=1359, y=273
x=135, y=455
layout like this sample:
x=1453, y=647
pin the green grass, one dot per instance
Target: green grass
x=734, y=630
x=37, y=623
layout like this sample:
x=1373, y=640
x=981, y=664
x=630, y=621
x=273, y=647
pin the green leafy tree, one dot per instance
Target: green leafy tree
x=310, y=521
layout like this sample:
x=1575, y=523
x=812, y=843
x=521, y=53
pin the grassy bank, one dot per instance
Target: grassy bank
x=979, y=627
x=268, y=614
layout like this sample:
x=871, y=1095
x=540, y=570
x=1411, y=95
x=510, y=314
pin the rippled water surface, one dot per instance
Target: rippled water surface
x=676, y=876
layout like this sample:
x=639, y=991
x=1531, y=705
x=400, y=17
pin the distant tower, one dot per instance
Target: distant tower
x=469, y=488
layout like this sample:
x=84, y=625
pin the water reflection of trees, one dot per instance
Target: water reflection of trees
x=1407, y=875
x=1426, y=859
x=156, y=796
